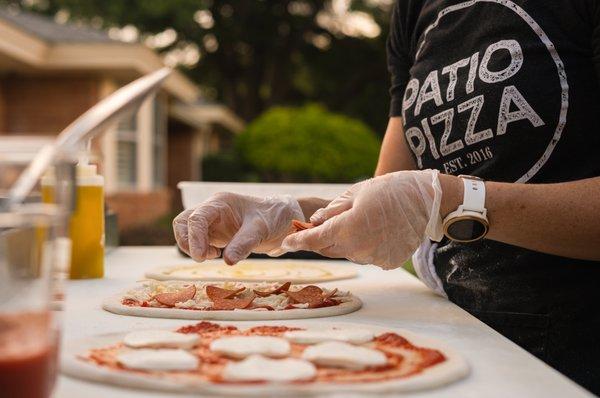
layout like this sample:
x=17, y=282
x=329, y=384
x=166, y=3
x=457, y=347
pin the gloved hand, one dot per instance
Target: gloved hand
x=241, y=224
x=380, y=221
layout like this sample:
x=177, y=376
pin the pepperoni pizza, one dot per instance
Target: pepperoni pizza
x=231, y=301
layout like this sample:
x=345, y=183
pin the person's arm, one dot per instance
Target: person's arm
x=561, y=219
x=395, y=154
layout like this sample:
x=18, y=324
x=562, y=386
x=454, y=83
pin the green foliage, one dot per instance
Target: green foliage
x=308, y=144
x=226, y=166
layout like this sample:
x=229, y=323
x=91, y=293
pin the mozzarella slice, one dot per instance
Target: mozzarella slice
x=353, y=336
x=243, y=346
x=161, y=359
x=343, y=355
x=259, y=368
x=160, y=339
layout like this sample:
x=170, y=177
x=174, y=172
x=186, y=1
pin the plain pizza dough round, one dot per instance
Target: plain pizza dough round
x=453, y=369
x=255, y=271
x=113, y=304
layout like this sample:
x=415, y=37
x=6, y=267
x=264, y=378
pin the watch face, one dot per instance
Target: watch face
x=466, y=230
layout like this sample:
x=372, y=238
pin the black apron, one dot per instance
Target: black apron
x=546, y=304
x=508, y=91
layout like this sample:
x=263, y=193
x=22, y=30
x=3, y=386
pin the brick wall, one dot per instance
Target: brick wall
x=136, y=208
x=44, y=104
x=180, y=159
x=2, y=108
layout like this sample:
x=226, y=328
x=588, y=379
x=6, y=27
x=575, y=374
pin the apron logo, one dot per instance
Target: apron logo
x=494, y=92
x=418, y=95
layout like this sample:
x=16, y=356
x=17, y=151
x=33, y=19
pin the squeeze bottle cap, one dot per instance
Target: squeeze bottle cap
x=86, y=170
x=87, y=174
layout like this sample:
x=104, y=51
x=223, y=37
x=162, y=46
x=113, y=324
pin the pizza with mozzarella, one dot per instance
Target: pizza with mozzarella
x=231, y=301
x=288, y=359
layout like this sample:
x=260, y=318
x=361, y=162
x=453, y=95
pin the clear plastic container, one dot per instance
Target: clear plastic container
x=31, y=253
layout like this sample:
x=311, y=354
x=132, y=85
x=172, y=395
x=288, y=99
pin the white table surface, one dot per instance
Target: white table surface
x=499, y=368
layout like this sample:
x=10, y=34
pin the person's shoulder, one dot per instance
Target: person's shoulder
x=405, y=13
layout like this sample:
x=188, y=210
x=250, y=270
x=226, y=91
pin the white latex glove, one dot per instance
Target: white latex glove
x=380, y=221
x=240, y=224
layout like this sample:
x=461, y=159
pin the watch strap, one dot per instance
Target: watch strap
x=474, y=194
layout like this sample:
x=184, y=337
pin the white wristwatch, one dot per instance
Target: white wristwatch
x=469, y=222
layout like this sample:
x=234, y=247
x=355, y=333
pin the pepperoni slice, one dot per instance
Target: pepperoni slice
x=171, y=299
x=215, y=293
x=301, y=226
x=283, y=288
x=232, y=304
x=311, y=295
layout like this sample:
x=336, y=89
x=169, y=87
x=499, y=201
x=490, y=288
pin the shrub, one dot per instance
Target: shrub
x=226, y=166
x=308, y=144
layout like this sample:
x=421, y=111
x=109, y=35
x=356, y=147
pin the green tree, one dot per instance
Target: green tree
x=255, y=54
x=308, y=144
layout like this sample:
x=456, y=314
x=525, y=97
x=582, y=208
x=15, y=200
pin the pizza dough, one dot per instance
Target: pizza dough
x=256, y=271
x=191, y=309
x=453, y=368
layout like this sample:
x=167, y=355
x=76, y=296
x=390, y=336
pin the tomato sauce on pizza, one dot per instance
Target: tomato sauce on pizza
x=403, y=359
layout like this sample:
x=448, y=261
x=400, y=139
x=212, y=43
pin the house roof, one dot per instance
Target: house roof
x=38, y=42
x=42, y=43
x=47, y=29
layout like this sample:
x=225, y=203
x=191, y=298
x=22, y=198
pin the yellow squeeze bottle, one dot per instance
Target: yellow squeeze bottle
x=86, y=227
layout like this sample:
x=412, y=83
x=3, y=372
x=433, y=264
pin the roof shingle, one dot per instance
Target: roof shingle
x=48, y=30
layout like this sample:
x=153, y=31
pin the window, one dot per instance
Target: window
x=142, y=147
x=160, y=142
x=127, y=152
